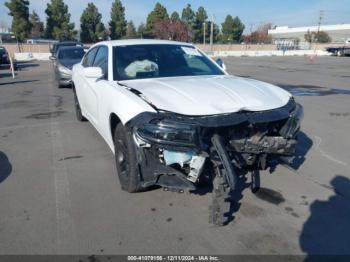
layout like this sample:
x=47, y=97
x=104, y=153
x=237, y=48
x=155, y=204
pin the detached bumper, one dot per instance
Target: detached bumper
x=173, y=149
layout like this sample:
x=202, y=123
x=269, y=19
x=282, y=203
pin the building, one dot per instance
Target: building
x=291, y=35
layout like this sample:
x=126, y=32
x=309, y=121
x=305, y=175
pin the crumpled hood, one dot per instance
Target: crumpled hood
x=210, y=95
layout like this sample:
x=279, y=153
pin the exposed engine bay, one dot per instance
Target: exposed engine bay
x=176, y=151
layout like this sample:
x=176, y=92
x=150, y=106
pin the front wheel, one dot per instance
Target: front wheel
x=126, y=162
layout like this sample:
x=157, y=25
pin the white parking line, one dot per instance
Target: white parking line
x=65, y=232
x=323, y=153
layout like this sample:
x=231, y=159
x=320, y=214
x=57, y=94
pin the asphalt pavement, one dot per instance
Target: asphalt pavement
x=59, y=191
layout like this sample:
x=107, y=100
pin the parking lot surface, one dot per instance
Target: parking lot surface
x=59, y=191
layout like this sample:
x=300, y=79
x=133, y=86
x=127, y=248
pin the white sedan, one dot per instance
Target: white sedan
x=173, y=117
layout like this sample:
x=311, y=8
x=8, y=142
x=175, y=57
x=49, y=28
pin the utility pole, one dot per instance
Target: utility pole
x=211, y=32
x=320, y=20
x=204, y=26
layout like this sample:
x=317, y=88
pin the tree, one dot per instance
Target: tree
x=232, y=30
x=58, y=25
x=142, y=31
x=188, y=16
x=308, y=36
x=117, y=25
x=170, y=29
x=92, y=29
x=322, y=37
x=159, y=13
x=175, y=16
x=260, y=36
x=19, y=10
x=101, y=32
x=37, y=25
x=216, y=33
x=200, y=18
x=131, y=31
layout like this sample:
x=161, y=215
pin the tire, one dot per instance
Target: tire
x=221, y=199
x=255, y=183
x=126, y=161
x=77, y=108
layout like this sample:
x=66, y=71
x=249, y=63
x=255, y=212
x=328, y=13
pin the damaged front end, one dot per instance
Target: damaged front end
x=174, y=151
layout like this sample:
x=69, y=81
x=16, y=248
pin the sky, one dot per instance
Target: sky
x=252, y=12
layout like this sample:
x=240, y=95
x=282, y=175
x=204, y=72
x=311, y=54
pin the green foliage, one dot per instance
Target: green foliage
x=19, y=10
x=58, y=25
x=131, y=31
x=197, y=29
x=323, y=37
x=142, y=31
x=175, y=16
x=188, y=16
x=117, y=25
x=317, y=37
x=159, y=13
x=92, y=29
x=232, y=30
x=101, y=32
x=308, y=37
x=37, y=25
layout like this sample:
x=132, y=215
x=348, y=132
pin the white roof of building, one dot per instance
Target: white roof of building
x=286, y=29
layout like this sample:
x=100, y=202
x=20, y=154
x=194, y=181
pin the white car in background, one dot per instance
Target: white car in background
x=173, y=117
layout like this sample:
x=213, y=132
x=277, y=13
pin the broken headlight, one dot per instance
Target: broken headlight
x=169, y=133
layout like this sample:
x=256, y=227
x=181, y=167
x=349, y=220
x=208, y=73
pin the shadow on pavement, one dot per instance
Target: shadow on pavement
x=303, y=147
x=5, y=167
x=310, y=90
x=27, y=65
x=327, y=230
x=18, y=82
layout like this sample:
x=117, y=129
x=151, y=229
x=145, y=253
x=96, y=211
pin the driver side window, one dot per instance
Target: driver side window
x=101, y=60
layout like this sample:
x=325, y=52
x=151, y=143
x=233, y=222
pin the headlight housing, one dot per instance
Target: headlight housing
x=169, y=133
x=64, y=70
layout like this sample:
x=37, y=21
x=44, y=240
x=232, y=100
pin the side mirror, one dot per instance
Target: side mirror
x=52, y=58
x=221, y=63
x=93, y=72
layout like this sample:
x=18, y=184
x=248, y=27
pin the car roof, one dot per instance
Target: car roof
x=124, y=42
x=70, y=47
x=68, y=42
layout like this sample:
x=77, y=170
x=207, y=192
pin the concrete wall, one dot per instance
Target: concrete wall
x=27, y=48
x=25, y=52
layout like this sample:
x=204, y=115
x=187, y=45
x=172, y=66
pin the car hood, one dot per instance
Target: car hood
x=69, y=62
x=209, y=95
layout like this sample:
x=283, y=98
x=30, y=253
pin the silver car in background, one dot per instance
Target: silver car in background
x=63, y=63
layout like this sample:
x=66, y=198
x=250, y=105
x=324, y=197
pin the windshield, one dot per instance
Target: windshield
x=72, y=54
x=56, y=47
x=152, y=61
